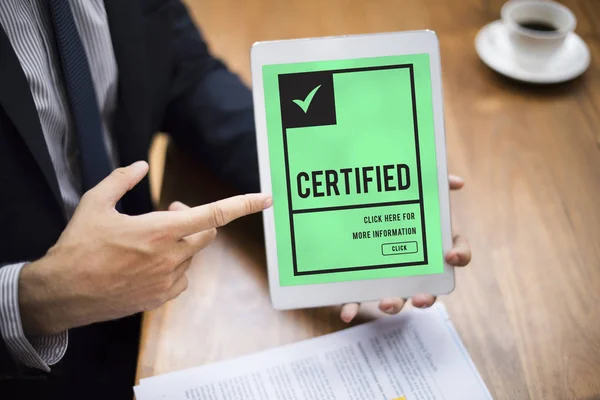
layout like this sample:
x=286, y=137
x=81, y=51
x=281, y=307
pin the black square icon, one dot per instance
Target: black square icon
x=307, y=99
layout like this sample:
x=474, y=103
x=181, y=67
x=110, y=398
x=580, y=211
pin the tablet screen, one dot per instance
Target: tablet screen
x=353, y=169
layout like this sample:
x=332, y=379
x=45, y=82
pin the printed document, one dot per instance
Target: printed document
x=416, y=355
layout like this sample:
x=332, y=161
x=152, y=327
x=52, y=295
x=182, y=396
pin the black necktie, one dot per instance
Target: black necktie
x=85, y=113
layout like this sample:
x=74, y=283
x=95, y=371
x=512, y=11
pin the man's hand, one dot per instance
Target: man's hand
x=108, y=265
x=459, y=256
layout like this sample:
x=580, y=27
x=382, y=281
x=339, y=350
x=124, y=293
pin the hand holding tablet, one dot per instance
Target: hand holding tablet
x=458, y=256
x=351, y=146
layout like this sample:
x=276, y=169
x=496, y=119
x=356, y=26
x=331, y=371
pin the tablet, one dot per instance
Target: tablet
x=351, y=145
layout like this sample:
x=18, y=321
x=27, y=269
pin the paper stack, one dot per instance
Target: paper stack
x=415, y=355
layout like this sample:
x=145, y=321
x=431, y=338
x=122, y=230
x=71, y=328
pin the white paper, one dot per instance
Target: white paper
x=416, y=355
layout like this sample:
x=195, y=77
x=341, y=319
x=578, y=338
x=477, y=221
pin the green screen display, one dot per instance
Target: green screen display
x=353, y=169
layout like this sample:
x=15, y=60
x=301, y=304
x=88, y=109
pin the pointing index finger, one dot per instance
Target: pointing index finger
x=217, y=214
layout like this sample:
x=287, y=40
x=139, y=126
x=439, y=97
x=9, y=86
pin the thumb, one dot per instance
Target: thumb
x=110, y=190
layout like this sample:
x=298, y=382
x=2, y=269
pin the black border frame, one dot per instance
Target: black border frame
x=291, y=211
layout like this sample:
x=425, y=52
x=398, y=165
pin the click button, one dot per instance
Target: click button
x=390, y=249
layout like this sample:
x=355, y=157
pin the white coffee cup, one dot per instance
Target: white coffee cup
x=522, y=17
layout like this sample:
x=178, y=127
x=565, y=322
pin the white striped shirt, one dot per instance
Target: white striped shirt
x=29, y=29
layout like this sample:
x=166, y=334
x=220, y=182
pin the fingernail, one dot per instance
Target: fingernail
x=138, y=165
x=268, y=202
x=388, y=309
x=453, y=259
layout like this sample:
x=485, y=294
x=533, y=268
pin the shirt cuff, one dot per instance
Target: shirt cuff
x=38, y=352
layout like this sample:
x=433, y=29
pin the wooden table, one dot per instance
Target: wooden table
x=528, y=306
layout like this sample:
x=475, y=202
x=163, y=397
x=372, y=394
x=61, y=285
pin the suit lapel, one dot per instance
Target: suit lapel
x=17, y=101
x=131, y=122
x=134, y=107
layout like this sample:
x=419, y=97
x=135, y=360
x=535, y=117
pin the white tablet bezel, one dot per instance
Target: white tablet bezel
x=337, y=48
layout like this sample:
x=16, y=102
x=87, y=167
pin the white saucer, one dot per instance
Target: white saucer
x=496, y=51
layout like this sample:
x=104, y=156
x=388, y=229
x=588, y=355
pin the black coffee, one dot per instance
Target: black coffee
x=539, y=26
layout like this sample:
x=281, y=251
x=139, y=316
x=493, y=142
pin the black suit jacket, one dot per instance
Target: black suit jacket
x=168, y=82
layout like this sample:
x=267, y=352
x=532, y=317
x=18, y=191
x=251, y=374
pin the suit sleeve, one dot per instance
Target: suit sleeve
x=210, y=111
